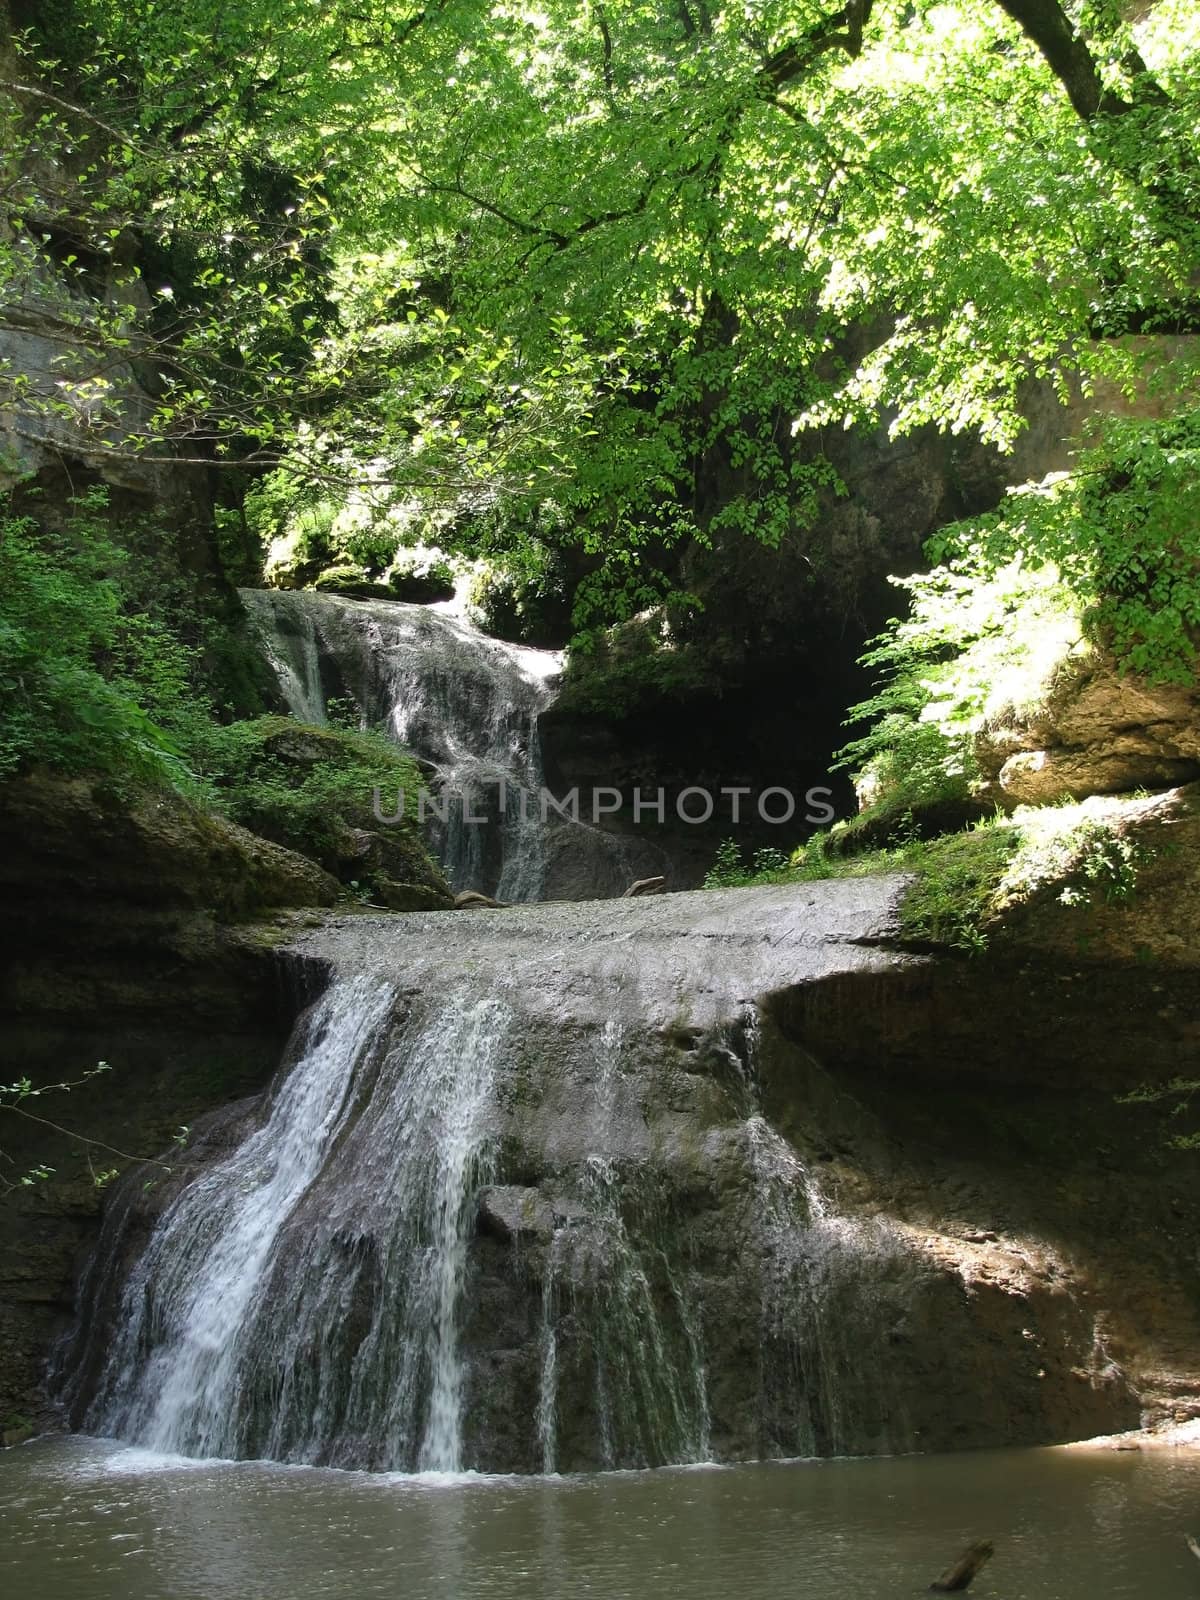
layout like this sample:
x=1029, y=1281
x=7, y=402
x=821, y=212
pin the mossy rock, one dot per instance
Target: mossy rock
x=313, y=790
x=155, y=848
x=420, y=587
x=889, y=825
x=354, y=583
x=412, y=896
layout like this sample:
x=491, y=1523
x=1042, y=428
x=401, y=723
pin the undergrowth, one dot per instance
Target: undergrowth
x=962, y=882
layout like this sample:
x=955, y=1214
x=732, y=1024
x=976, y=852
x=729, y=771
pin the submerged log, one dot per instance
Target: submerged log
x=965, y=1569
x=645, y=886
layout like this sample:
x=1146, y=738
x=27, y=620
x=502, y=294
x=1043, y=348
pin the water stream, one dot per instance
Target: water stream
x=465, y=704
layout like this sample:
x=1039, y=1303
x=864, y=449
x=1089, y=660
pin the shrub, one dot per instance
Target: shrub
x=1106, y=557
x=84, y=682
x=313, y=790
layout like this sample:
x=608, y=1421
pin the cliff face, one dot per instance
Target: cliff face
x=126, y=938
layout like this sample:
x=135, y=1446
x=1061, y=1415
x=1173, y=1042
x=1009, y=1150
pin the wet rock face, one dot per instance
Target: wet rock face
x=734, y=1299
x=113, y=948
x=710, y=1175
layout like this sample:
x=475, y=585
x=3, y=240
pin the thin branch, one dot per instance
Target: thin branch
x=96, y=1144
x=73, y=110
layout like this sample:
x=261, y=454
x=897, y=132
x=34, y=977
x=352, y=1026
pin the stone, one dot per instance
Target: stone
x=641, y=886
x=510, y=1212
x=1098, y=732
x=412, y=896
x=352, y=583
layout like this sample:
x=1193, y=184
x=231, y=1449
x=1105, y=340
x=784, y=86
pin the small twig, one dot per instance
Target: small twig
x=99, y=1144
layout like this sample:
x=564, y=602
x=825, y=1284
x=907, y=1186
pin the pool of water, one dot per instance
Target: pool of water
x=89, y=1518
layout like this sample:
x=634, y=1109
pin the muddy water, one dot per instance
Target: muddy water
x=84, y=1518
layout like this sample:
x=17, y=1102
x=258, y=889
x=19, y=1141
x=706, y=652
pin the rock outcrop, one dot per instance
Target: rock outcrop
x=127, y=937
x=1097, y=732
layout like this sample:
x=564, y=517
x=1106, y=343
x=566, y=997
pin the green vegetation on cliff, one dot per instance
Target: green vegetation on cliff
x=115, y=663
x=1107, y=557
x=562, y=298
x=963, y=883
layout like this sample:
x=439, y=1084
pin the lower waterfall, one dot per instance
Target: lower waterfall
x=519, y=1200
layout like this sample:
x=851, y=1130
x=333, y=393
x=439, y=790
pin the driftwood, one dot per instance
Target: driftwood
x=469, y=900
x=1193, y=1546
x=965, y=1569
x=645, y=886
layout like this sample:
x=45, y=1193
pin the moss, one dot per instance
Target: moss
x=633, y=668
x=965, y=882
x=353, y=582
x=957, y=882
x=15, y=1429
x=313, y=790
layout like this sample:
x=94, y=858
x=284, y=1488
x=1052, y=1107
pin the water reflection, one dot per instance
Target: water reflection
x=86, y=1519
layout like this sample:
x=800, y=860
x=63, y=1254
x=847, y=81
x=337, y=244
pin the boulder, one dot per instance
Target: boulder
x=510, y=1212
x=1097, y=732
x=411, y=896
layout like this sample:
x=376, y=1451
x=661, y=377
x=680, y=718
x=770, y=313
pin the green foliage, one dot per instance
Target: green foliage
x=112, y=655
x=84, y=680
x=1107, y=556
x=20, y=1098
x=1138, y=522
x=728, y=870
x=617, y=672
x=16, y=1099
x=627, y=265
x=1089, y=855
x=963, y=881
x=309, y=789
x=955, y=888
x=983, y=631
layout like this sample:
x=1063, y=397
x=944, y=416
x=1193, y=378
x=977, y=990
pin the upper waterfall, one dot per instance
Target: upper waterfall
x=465, y=704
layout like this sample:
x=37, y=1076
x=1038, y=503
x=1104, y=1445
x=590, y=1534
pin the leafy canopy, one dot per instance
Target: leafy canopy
x=631, y=258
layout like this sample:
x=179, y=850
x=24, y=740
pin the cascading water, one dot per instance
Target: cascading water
x=518, y=1204
x=306, y=1290
x=649, y=1390
x=463, y=703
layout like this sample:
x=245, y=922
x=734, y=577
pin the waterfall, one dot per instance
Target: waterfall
x=649, y=1388
x=466, y=705
x=514, y=1203
x=307, y=1288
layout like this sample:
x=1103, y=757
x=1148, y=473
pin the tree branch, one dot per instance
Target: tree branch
x=1069, y=56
